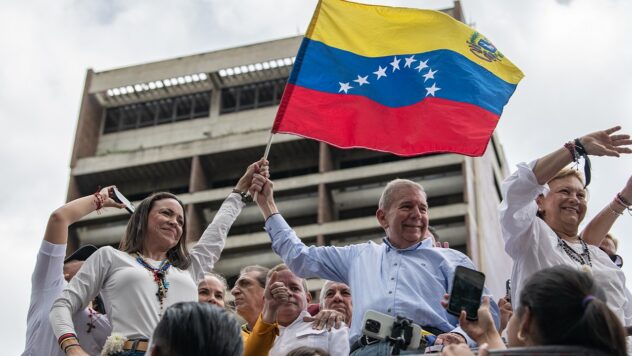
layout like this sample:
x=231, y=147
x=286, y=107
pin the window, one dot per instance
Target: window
x=157, y=112
x=252, y=96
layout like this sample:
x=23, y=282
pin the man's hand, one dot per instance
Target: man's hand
x=605, y=143
x=326, y=318
x=264, y=197
x=274, y=295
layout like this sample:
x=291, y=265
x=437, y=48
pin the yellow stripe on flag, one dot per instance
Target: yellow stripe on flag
x=376, y=31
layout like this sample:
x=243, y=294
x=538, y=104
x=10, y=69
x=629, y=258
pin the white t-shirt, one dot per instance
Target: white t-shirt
x=300, y=333
x=533, y=245
x=47, y=283
x=129, y=290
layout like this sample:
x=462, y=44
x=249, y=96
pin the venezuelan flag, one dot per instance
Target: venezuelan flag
x=398, y=80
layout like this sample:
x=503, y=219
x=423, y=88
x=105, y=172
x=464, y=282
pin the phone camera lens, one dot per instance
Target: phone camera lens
x=372, y=326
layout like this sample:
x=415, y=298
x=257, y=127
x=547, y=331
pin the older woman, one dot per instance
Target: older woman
x=543, y=205
x=152, y=270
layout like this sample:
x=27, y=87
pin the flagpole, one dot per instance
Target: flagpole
x=265, y=156
x=267, y=151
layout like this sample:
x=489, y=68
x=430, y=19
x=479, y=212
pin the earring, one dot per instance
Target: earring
x=520, y=336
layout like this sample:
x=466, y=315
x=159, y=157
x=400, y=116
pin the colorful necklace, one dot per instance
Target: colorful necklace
x=160, y=277
x=583, y=258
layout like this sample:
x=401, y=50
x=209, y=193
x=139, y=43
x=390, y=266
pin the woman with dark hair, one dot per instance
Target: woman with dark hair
x=558, y=306
x=197, y=329
x=152, y=270
x=543, y=205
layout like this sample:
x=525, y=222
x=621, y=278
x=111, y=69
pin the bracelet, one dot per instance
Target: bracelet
x=69, y=346
x=244, y=196
x=623, y=200
x=614, y=211
x=65, y=339
x=570, y=146
x=99, y=199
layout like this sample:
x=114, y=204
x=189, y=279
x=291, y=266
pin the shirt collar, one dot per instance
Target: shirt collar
x=425, y=243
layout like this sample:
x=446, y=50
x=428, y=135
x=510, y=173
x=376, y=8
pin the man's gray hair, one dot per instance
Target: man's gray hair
x=387, y=194
x=323, y=293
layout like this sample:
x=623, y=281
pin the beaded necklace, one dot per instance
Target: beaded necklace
x=583, y=258
x=160, y=277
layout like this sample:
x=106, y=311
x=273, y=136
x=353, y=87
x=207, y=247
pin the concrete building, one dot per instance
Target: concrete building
x=191, y=125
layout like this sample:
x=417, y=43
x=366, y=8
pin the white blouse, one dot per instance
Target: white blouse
x=129, y=290
x=533, y=245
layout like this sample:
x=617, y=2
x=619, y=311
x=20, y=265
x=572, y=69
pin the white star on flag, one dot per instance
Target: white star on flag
x=432, y=89
x=422, y=65
x=344, y=87
x=409, y=61
x=362, y=80
x=430, y=74
x=381, y=72
x=395, y=63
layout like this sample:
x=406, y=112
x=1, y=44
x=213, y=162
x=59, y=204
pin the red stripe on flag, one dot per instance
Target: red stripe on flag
x=351, y=121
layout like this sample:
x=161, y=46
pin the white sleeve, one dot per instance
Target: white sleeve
x=83, y=287
x=517, y=211
x=48, y=274
x=206, y=252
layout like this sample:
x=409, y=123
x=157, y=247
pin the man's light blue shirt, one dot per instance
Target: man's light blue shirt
x=407, y=282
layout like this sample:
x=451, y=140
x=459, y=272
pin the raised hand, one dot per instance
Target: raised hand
x=274, y=295
x=606, y=143
x=245, y=182
x=108, y=202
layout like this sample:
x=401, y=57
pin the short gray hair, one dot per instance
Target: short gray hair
x=323, y=292
x=387, y=194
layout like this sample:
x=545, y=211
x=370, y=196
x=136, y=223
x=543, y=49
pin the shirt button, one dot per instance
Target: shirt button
x=388, y=310
x=392, y=278
x=423, y=264
x=395, y=263
x=390, y=292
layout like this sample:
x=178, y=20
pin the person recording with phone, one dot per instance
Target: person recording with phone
x=544, y=203
x=558, y=306
x=405, y=275
x=152, y=269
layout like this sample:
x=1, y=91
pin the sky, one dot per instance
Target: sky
x=576, y=56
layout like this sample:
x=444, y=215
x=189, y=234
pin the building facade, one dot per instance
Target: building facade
x=191, y=125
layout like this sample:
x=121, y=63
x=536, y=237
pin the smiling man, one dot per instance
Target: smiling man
x=403, y=276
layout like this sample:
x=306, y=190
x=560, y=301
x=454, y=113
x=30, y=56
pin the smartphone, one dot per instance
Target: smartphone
x=380, y=326
x=120, y=198
x=467, y=289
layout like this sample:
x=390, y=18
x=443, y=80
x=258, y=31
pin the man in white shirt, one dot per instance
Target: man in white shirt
x=285, y=306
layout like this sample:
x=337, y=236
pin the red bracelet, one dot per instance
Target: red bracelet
x=570, y=146
x=99, y=199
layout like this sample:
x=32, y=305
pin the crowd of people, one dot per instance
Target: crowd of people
x=155, y=296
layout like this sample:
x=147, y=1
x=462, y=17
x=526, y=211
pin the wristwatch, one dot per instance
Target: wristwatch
x=245, y=197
